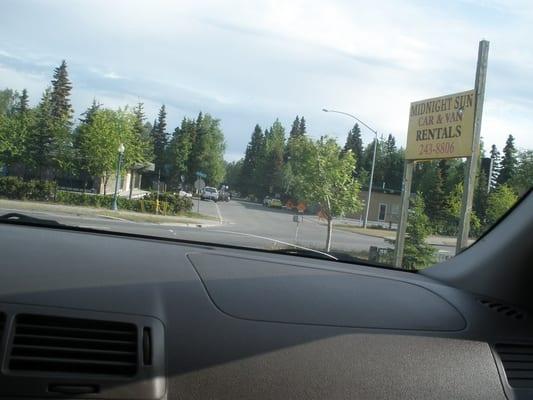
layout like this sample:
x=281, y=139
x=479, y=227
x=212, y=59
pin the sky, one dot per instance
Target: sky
x=250, y=62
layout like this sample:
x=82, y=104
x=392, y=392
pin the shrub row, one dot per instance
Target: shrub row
x=18, y=189
x=13, y=187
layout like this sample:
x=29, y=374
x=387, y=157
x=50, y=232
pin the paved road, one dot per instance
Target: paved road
x=249, y=220
x=240, y=223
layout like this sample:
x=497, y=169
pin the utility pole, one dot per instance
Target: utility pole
x=402, y=224
x=472, y=161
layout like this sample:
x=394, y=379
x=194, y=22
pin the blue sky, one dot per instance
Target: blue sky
x=249, y=62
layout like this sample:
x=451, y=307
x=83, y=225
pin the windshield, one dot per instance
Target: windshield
x=393, y=135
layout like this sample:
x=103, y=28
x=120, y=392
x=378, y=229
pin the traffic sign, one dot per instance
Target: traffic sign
x=201, y=174
x=199, y=184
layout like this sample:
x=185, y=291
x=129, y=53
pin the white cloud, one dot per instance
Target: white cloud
x=250, y=62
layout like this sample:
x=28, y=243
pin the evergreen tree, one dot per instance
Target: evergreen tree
x=273, y=166
x=41, y=142
x=87, y=115
x=355, y=144
x=141, y=130
x=417, y=253
x=480, y=197
x=179, y=151
x=302, y=129
x=496, y=166
x=251, y=163
x=159, y=137
x=436, y=199
x=393, y=160
x=60, y=96
x=509, y=161
x=295, y=129
x=23, y=104
x=444, y=168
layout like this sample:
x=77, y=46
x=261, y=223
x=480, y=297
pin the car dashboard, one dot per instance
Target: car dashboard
x=110, y=316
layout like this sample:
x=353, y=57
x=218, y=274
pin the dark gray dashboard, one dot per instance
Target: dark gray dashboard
x=243, y=324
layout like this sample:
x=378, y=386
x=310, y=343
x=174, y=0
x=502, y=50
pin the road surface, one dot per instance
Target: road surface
x=238, y=223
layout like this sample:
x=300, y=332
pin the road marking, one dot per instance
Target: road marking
x=221, y=220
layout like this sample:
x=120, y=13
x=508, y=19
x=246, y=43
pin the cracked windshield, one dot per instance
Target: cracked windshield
x=392, y=135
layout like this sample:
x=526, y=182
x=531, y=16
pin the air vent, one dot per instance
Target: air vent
x=517, y=360
x=504, y=309
x=57, y=344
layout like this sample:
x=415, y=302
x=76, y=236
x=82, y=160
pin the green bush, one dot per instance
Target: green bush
x=13, y=187
x=171, y=203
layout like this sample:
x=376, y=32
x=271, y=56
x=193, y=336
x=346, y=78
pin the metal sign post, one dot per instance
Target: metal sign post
x=199, y=184
x=471, y=162
x=402, y=225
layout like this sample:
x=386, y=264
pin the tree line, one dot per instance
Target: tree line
x=272, y=163
x=44, y=142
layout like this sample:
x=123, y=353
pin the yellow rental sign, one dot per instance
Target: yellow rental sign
x=442, y=127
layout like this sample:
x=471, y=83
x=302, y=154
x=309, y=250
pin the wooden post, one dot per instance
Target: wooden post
x=472, y=161
x=402, y=225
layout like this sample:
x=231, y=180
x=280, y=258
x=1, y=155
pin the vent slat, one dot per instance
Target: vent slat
x=71, y=328
x=517, y=360
x=71, y=345
x=70, y=361
x=504, y=309
x=521, y=383
x=111, y=341
x=54, y=342
x=48, y=366
x=73, y=332
x=519, y=374
x=95, y=351
x=517, y=357
x=72, y=354
x=514, y=349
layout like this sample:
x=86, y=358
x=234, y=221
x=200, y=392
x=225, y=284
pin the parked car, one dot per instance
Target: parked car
x=209, y=193
x=275, y=203
x=183, y=193
x=270, y=202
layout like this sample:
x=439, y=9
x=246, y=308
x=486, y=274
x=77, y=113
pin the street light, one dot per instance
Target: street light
x=121, y=149
x=365, y=221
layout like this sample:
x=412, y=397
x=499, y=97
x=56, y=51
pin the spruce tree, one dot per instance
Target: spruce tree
x=60, y=96
x=295, y=129
x=355, y=144
x=417, y=253
x=509, y=161
x=496, y=166
x=87, y=115
x=302, y=129
x=252, y=158
x=159, y=137
x=23, y=105
x=40, y=143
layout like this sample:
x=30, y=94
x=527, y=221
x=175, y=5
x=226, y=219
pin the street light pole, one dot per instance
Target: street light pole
x=367, y=207
x=120, y=153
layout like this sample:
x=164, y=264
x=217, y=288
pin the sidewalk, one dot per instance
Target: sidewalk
x=391, y=234
x=189, y=219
